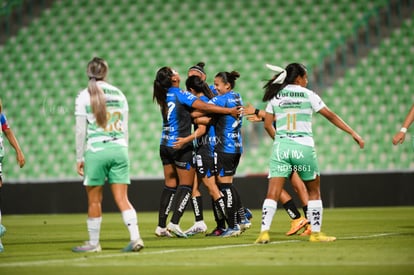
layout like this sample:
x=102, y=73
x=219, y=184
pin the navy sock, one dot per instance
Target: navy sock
x=182, y=197
x=167, y=197
x=305, y=211
x=291, y=209
x=197, y=203
x=230, y=204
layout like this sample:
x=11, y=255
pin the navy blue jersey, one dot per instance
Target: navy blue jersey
x=213, y=89
x=178, y=121
x=228, y=128
x=206, y=143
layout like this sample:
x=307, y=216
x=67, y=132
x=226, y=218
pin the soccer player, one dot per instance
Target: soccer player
x=292, y=105
x=5, y=128
x=175, y=106
x=204, y=143
x=102, y=153
x=204, y=92
x=298, y=222
x=229, y=148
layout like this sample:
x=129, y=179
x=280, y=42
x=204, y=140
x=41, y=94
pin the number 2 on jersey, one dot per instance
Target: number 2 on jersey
x=114, y=122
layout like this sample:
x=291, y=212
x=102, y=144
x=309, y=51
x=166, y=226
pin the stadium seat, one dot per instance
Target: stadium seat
x=45, y=64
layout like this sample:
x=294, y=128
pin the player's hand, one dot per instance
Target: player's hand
x=254, y=118
x=20, y=159
x=358, y=140
x=179, y=143
x=79, y=168
x=236, y=112
x=249, y=109
x=398, y=138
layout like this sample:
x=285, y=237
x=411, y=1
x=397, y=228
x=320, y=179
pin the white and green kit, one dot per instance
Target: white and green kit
x=103, y=150
x=293, y=147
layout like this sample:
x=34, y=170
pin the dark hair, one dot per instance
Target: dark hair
x=229, y=77
x=197, y=84
x=162, y=83
x=198, y=67
x=293, y=70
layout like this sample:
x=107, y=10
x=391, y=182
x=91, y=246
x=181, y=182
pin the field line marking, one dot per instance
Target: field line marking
x=112, y=255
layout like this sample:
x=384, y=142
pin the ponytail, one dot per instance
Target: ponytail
x=97, y=70
x=98, y=103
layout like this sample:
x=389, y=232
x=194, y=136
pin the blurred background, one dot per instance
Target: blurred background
x=359, y=54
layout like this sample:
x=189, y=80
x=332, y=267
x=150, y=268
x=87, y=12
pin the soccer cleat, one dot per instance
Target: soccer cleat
x=231, y=232
x=320, y=237
x=2, y=230
x=134, y=246
x=248, y=214
x=87, y=247
x=244, y=225
x=216, y=232
x=307, y=231
x=296, y=225
x=198, y=227
x=176, y=230
x=162, y=232
x=263, y=237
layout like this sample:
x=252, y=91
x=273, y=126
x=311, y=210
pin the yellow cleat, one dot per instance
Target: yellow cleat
x=307, y=231
x=296, y=225
x=321, y=237
x=263, y=237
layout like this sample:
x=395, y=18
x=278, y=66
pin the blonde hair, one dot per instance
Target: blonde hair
x=97, y=69
x=1, y=106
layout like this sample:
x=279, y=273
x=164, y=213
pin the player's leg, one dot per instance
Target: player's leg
x=167, y=194
x=199, y=225
x=269, y=207
x=298, y=222
x=129, y=216
x=94, y=220
x=182, y=198
x=315, y=212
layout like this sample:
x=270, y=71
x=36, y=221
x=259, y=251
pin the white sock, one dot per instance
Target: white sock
x=131, y=221
x=315, y=210
x=268, y=211
x=94, y=229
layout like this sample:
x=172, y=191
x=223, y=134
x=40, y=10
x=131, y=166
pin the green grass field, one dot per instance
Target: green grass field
x=369, y=241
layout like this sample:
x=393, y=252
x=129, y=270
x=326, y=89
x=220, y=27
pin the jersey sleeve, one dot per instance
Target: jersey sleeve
x=80, y=104
x=269, y=108
x=218, y=100
x=4, y=124
x=316, y=102
x=186, y=98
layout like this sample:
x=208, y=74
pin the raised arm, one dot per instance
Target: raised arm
x=211, y=108
x=338, y=122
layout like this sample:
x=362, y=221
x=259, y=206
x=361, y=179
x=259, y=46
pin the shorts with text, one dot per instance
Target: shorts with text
x=289, y=156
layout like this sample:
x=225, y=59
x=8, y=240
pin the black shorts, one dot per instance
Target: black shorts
x=227, y=164
x=205, y=165
x=182, y=158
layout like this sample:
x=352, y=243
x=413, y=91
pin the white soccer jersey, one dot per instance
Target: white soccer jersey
x=117, y=113
x=293, y=109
